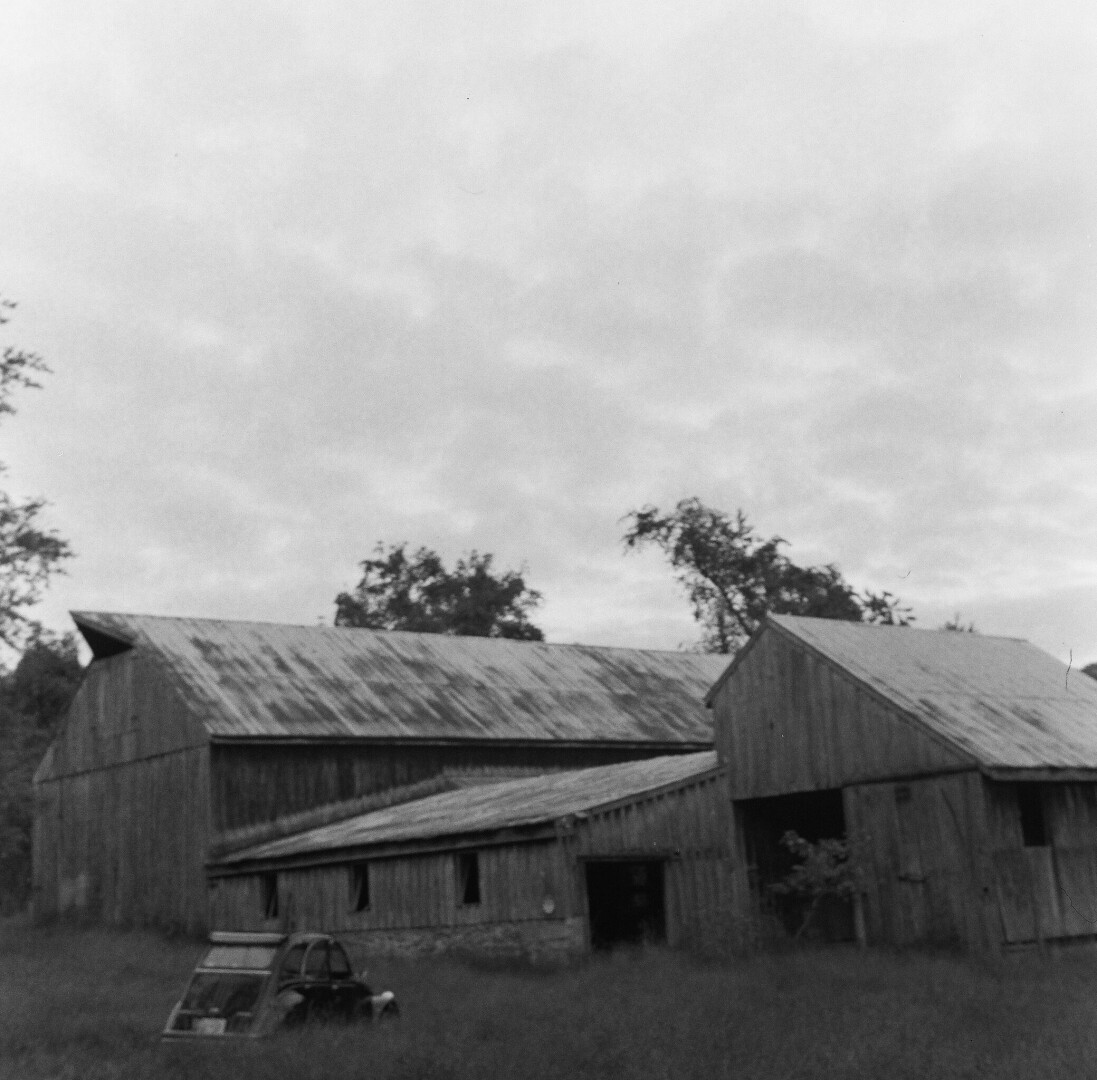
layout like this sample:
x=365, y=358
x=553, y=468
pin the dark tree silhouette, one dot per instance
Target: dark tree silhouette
x=30, y=553
x=733, y=577
x=402, y=591
x=33, y=699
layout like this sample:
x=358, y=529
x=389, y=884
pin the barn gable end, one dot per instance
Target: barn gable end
x=788, y=719
x=122, y=801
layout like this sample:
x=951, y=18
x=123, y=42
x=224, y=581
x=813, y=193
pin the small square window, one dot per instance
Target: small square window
x=359, y=887
x=1030, y=804
x=269, y=890
x=468, y=877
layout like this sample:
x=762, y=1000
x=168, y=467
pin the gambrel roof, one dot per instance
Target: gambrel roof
x=1001, y=702
x=269, y=680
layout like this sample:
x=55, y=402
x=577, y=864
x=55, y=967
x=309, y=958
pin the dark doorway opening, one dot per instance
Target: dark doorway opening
x=813, y=815
x=626, y=903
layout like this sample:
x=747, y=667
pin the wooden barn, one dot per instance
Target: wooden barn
x=545, y=866
x=962, y=768
x=190, y=737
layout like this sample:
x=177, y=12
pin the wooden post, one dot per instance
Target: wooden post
x=859, y=931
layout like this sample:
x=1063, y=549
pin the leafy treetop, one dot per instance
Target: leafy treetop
x=402, y=591
x=30, y=553
x=733, y=577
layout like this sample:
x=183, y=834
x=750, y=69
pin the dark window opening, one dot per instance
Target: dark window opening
x=359, y=887
x=270, y=896
x=813, y=815
x=626, y=903
x=468, y=877
x=1030, y=803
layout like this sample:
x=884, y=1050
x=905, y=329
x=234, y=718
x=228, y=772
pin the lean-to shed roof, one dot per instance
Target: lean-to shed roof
x=486, y=808
x=252, y=679
x=1006, y=703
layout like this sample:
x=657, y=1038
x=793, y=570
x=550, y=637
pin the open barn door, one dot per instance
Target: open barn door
x=814, y=816
x=626, y=903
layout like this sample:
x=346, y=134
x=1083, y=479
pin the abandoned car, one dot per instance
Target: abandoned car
x=251, y=984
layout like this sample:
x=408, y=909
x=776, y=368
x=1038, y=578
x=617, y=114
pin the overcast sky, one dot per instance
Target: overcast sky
x=490, y=276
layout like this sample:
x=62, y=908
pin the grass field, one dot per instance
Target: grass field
x=89, y=1004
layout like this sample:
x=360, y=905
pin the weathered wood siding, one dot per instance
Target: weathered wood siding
x=686, y=827
x=786, y=721
x=417, y=892
x=121, y=805
x=1047, y=892
x=125, y=710
x=255, y=782
x=922, y=847
x=689, y=827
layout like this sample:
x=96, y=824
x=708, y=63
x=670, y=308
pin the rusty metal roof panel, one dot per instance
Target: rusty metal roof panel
x=275, y=680
x=1007, y=703
x=489, y=807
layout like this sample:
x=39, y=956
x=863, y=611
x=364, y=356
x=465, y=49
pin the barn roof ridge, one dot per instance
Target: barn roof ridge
x=486, y=808
x=88, y=616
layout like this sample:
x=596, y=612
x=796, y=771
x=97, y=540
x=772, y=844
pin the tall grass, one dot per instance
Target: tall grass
x=90, y=1004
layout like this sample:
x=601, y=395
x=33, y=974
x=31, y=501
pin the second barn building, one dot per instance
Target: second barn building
x=545, y=866
x=960, y=768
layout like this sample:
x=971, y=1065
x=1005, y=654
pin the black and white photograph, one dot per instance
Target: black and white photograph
x=548, y=540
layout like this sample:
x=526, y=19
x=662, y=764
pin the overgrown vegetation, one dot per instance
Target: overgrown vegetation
x=90, y=1005
x=825, y=869
x=33, y=699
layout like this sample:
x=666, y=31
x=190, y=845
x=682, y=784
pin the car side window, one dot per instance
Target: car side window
x=291, y=966
x=316, y=961
x=340, y=965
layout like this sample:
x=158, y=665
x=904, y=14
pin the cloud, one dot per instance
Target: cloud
x=489, y=277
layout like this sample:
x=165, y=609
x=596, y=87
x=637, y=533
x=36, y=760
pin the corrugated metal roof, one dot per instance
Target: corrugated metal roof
x=531, y=801
x=1005, y=702
x=274, y=680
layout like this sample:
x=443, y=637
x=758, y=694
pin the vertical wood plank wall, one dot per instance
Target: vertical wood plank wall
x=1048, y=892
x=121, y=822
x=254, y=783
x=687, y=827
x=411, y=893
x=923, y=846
x=787, y=721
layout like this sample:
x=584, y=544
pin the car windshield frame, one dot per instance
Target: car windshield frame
x=240, y=957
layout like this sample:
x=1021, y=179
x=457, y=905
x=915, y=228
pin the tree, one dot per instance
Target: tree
x=399, y=591
x=30, y=553
x=825, y=869
x=733, y=577
x=1090, y=670
x=33, y=699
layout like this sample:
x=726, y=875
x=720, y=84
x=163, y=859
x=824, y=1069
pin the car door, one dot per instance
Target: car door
x=347, y=991
x=316, y=985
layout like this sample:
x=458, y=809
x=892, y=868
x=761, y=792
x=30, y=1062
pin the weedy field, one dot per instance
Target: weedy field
x=89, y=1004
